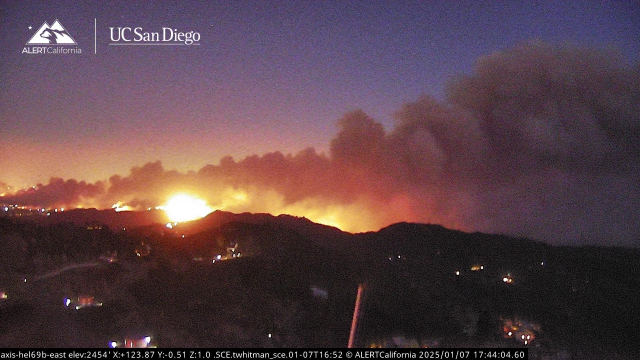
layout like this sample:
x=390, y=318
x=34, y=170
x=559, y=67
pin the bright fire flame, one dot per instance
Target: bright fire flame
x=183, y=207
x=118, y=207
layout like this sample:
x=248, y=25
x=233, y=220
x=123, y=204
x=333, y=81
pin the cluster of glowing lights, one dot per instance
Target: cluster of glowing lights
x=522, y=331
x=132, y=343
x=183, y=207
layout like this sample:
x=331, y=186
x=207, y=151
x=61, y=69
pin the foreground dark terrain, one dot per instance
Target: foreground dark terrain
x=255, y=280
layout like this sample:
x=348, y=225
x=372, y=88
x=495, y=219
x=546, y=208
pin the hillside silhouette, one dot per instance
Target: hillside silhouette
x=260, y=280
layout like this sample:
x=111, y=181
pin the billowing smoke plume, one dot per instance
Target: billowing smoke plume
x=540, y=140
x=57, y=193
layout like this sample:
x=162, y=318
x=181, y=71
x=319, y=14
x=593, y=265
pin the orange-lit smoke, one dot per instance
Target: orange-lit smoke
x=540, y=140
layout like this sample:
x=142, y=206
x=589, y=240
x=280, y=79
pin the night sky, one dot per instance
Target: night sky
x=518, y=117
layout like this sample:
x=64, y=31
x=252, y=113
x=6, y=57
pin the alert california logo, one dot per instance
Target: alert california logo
x=51, y=39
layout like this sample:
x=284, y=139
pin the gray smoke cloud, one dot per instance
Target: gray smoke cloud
x=57, y=193
x=539, y=140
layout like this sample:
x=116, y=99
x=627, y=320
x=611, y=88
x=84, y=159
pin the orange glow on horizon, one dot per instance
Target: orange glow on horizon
x=182, y=207
x=365, y=213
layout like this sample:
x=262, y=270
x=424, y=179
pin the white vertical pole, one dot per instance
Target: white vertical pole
x=356, y=316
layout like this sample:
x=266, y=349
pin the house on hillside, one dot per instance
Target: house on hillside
x=94, y=226
x=143, y=249
x=81, y=302
x=133, y=342
x=232, y=249
x=110, y=257
x=520, y=330
x=477, y=267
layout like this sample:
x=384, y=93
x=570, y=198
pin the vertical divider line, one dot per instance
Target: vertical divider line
x=95, y=39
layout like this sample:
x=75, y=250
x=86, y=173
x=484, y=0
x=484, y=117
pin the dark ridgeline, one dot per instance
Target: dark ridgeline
x=261, y=280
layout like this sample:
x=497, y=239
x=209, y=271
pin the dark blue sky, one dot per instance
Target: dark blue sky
x=269, y=75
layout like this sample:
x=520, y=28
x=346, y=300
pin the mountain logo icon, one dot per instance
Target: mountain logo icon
x=55, y=34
